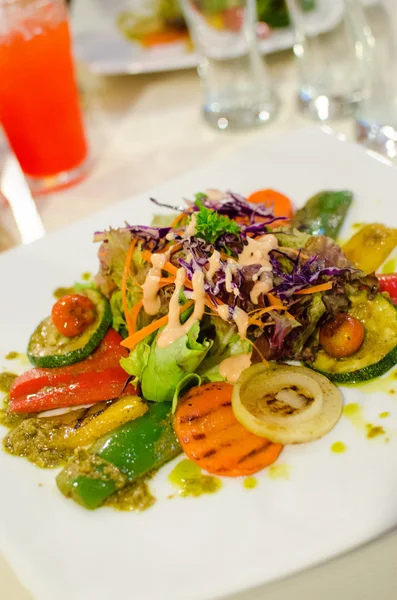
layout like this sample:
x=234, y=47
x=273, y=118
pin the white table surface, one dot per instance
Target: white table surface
x=148, y=129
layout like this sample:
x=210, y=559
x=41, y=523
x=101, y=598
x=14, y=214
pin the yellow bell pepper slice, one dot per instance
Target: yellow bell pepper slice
x=370, y=246
x=120, y=412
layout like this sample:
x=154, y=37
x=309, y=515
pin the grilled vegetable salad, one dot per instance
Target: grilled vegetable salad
x=166, y=24
x=183, y=342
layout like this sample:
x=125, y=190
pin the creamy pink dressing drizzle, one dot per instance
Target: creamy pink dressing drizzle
x=191, y=228
x=214, y=265
x=232, y=367
x=262, y=286
x=231, y=269
x=174, y=329
x=240, y=317
x=256, y=252
x=151, y=286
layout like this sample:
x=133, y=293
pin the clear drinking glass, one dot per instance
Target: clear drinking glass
x=376, y=120
x=331, y=53
x=39, y=107
x=9, y=236
x=237, y=88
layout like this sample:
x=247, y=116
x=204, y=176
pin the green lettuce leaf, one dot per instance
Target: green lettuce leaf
x=291, y=238
x=119, y=322
x=315, y=311
x=162, y=372
x=163, y=220
x=112, y=255
x=187, y=382
x=226, y=343
x=138, y=359
x=167, y=367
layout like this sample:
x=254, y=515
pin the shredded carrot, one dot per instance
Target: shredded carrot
x=175, y=248
x=134, y=316
x=171, y=248
x=178, y=221
x=317, y=288
x=124, y=283
x=140, y=335
x=273, y=299
x=263, y=311
x=170, y=268
x=147, y=255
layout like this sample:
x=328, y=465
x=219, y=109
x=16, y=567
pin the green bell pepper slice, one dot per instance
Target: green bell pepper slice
x=324, y=213
x=120, y=457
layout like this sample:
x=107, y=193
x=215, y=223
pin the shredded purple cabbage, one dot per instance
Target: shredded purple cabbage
x=235, y=205
x=302, y=275
x=170, y=206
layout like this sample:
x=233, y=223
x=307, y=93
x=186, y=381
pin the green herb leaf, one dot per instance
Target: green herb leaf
x=199, y=199
x=210, y=225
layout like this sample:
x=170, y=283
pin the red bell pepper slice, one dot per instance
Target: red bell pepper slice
x=107, y=355
x=85, y=388
x=388, y=283
x=95, y=379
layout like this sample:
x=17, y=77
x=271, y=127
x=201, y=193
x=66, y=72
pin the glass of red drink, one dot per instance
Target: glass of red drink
x=39, y=106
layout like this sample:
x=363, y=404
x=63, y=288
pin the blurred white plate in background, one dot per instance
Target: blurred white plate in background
x=100, y=44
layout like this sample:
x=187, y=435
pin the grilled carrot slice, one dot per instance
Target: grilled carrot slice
x=211, y=436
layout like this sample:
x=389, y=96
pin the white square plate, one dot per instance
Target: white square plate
x=202, y=548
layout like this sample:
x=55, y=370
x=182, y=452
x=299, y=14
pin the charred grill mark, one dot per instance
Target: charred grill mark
x=81, y=420
x=126, y=384
x=210, y=453
x=213, y=451
x=191, y=418
x=199, y=436
x=86, y=414
x=253, y=452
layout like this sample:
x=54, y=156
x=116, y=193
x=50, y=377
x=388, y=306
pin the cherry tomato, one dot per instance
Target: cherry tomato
x=342, y=336
x=388, y=283
x=72, y=314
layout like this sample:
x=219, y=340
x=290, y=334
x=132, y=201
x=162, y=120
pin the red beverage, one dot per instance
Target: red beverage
x=39, y=107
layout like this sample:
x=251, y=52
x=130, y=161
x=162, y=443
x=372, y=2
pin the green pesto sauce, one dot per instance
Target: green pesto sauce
x=250, y=483
x=190, y=481
x=386, y=384
x=353, y=412
x=134, y=496
x=390, y=266
x=278, y=472
x=63, y=291
x=12, y=355
x=7, y=419
x=374, y=430
x=6, y=381
x=86, y=276
x=357, y=226
x=338, y=447
x=41, y=441
x=384, y=415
